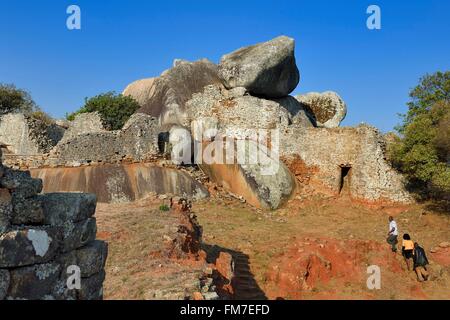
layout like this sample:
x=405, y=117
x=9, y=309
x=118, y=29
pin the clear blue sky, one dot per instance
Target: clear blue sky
x=124, y=40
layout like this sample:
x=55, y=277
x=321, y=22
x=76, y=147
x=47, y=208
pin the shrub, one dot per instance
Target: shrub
x=13, y=99
x=114, y=109
x=164, y=207
x=42, y=116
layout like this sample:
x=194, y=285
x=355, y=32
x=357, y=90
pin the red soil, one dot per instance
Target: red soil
x=311, y=263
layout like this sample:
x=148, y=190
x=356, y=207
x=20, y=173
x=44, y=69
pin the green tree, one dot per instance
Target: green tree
x=13, y=99
x=422, y=152
x=114, y=109
x=431, y=89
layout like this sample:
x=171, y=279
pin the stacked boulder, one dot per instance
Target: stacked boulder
x=165, y=97
x=254, y=98
x=327, y=108
x=267, y=69
x=47, y=242
x=248, y=91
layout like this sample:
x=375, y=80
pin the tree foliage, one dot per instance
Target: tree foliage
x=422, y=152
x=13, y=99
x=114, y=109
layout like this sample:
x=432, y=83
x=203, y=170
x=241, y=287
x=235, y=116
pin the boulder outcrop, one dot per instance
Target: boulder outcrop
x=164, y=97
x=237, y=112
x=120, y=183
x=265, y=69
x=328, y=108
x=243, y=102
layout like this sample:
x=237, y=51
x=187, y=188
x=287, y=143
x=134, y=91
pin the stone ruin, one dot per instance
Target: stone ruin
x=24, y=135
x=42, y=236
x=253, y=94
x=248, y=90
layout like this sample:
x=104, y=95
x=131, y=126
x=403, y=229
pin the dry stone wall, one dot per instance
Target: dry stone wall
x=27, y=136
x=43, y=236
x=137, y=140
x=89, y=122
x=358, y=152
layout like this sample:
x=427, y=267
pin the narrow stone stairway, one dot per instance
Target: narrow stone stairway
x=244, y=284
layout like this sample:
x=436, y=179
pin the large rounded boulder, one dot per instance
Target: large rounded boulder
x=328, y=108
x=164, y=97
x=266, y=69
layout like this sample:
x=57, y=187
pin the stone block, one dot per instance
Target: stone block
x=5, y=209
x=28, y=246
x=27, y=211
x=78, y=234
x=92, y=287
x=92, y=258
x=21, y=184
x=60, y=208
x=34, y=282
x=4, y=283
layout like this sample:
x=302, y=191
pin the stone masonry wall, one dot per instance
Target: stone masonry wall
x=41, y=235
x=137, y=140
x=27, y=135
x=89, y=122
x=361, y=149
x=14, y=131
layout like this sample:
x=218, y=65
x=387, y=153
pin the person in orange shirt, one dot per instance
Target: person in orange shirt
x=407, y=249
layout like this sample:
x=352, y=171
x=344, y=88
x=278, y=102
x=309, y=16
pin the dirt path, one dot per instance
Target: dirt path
x=258, y=239
x=262, y=237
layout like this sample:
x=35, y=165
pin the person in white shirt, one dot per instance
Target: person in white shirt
x=392, y=234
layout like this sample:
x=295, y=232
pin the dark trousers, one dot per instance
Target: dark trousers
x=392, y=240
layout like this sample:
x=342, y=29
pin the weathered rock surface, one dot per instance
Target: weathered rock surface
x=91, y=287
x=28, y=246
x=34, y=282
x=267, y=184
x=271, y=180
x=78, y=234
x=26, y=135
x=92, y=258
x=27, y=211
x=89, y=122
x=5, y=209
x=266, y=69
x=164, y=97
x=20, y=183
x=328, y=107
x=240, y=114
x=60, y=208
x=4, y=283
x=120, y=183
x=141, y=90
